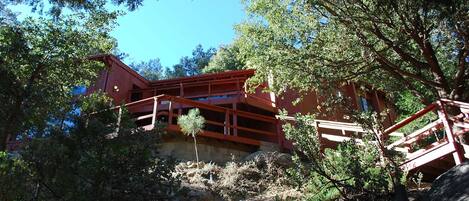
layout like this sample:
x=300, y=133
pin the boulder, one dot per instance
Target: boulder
x=280, y=159
x=452, y=185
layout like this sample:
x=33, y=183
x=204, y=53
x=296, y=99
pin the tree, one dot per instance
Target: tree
x=151, y=70
x=41, y=61
x=422, y=45
x=200, y=58
x=56, y=6
x=226, y=58
x=413, y=50
x=351, y=171
x=86, y=160
x=190, y=66
x=192, y=124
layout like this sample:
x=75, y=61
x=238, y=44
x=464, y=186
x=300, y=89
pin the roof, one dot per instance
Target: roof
x=241, y=74
x=107, y=58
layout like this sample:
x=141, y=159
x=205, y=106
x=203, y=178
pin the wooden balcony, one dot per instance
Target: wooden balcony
x=222, y=123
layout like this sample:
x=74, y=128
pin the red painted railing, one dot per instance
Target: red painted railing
x=165, y=105
x=452, y=127
x=418, y=146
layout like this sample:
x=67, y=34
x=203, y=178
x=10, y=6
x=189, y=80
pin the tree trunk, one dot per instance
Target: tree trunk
x=8, y=132
x=196, y=153
x=400, y=193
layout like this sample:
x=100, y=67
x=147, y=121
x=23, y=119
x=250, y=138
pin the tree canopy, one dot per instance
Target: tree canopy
x=151, y=69
x=190, y=66
x=41, y=61
x=87, y=159
x=55, y=7
x=422, y=45
x=227, y=58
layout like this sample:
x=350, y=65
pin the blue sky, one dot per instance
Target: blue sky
x=170, y=29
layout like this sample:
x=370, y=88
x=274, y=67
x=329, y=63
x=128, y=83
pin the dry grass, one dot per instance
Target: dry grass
x=260, y=178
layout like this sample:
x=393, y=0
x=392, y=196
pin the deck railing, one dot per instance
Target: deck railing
x=231, y=130
x=431, y=142
x=210, y=91
x=441, y=137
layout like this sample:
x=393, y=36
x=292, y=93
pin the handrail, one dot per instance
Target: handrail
x=193, y=84
x=415, y=133
x=227, y=111
x=455, y=103
x=410, y=119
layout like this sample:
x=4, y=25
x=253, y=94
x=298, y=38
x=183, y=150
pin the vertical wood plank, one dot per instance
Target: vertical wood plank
x=170, y=115
x=155, y=110
x=457, y=154
x=235, y=120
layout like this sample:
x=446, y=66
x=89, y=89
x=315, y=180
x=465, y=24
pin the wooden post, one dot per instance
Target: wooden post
x=319, y=136
x=209, y=91
x=280, y=135
x=238, y=90
x=457, y=154
x=155, y=110
x=170, y=114
x=227, y=122
x=181, y=90
x=235, y=120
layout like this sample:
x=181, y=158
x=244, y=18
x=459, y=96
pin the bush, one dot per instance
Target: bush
x=88, y=160
x=351, y=171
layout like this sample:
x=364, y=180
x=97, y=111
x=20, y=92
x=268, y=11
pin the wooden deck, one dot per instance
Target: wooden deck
x=167, y=108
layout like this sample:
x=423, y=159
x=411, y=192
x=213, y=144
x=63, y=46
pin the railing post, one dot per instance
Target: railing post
x=155, y=110
x=319, y=136
x=227, y=122
x=457, y=154
x=170, y=114
x=235, y=120
x=280, y=135
x=181, y=90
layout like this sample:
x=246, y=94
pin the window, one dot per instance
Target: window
x=365, y=104
x=135, y=96
x=78, y=90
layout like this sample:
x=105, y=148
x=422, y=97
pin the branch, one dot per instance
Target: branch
x=421, y=37
x=402, y=54
x=459, y=77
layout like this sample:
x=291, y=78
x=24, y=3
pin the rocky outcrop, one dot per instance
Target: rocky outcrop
x=260, y=176
x=452, y=185
x=280, y=159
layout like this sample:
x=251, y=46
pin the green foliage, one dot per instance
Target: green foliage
x=192, y=123
x=87, y=161
x=151, y=70
x=190, y=66
x=56, y=7
x=415, y=46
x=42, y=61
x=227, y=58
x=15, y=178
x=351, y=171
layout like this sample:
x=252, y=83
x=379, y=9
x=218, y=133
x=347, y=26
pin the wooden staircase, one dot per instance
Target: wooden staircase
x=450, y=144
x=432, y=149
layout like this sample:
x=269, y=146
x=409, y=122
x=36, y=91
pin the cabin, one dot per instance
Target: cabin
x=239, y=122
x=245, y=120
